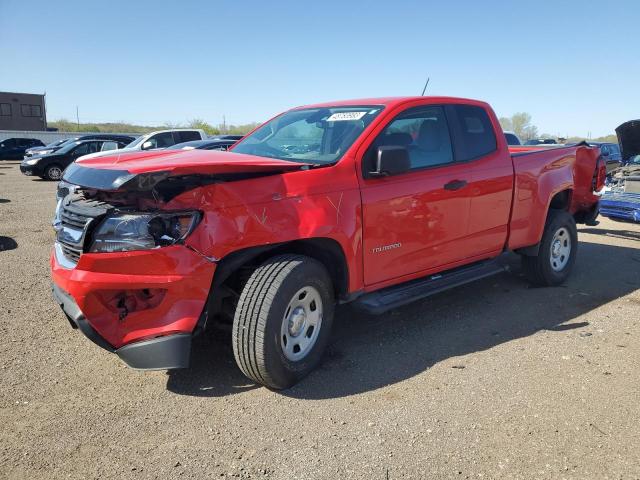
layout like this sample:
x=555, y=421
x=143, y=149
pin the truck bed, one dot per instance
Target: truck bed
x=542, y=174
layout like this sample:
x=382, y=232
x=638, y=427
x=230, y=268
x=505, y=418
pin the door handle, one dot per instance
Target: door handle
x=455, y=185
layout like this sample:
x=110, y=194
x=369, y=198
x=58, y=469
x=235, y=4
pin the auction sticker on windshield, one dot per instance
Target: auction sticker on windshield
x=346, y=116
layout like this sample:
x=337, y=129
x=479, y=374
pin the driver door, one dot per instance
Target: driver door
x=415, y=221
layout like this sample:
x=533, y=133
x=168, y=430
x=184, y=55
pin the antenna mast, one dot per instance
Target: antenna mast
x=425, y=86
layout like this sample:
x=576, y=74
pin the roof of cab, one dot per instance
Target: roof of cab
x=390, y=101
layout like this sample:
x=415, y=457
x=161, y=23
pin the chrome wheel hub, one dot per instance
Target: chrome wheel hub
x=301, y=323
x=55, y=173
x=297, y=321
x=560, y=249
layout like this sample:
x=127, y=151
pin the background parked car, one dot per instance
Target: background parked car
x=50, y=147
x=14, y=148
x=94, y=136
x=212, y=144
x=51, y=166
x=611, y=153
x=541, y=141
x=512, y=139
x=159, y=139
x=227, y=137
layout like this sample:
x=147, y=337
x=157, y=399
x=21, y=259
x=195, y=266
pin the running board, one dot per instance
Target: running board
x=389, y=298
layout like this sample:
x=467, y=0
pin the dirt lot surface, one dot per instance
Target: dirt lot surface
x=492, y=380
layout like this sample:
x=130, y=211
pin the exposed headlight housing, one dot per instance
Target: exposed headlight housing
x=143, y=231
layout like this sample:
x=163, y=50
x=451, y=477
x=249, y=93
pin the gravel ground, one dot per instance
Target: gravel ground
x=492, y=380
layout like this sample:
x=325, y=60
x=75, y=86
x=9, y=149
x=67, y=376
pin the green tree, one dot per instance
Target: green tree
x=202, y=125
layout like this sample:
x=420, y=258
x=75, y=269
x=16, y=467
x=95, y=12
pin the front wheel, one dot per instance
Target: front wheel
x=283, y=320
x=53, y=172
x=557, y=252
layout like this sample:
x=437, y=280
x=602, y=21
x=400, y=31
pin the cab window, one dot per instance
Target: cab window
x=186, y=136
x=473, y=134
x=162, y=140
x=425, y=134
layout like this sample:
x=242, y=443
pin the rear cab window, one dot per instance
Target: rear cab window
x=187, y=136
x=472, y=132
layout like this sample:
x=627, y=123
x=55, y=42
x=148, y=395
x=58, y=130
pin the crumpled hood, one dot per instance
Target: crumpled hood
x=149, y=167
x=184, y=162
x=629, y=138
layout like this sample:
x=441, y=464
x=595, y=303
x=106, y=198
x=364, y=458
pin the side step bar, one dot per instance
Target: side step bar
x=392, y=297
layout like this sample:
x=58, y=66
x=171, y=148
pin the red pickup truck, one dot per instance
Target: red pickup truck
x=378, y=202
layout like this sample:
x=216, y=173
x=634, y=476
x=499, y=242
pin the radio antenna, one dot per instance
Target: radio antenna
x=425, y=86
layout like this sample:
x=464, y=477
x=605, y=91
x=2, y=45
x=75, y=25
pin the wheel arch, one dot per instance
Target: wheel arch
x=233, y=269
x=560, y=200
x=326, y=250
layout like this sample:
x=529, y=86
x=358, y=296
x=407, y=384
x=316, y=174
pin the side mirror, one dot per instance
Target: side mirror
x=148, y=145
x=391, y=160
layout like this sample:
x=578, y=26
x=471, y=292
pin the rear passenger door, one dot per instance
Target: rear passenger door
x=490, y=175
x=415, y=221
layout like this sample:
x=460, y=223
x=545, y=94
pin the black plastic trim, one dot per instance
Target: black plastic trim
x=77, y=318
x=162, y=353
x=389, y=298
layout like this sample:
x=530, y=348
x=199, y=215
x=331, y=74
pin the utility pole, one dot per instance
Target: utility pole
x=224, y=124
x=77, y=118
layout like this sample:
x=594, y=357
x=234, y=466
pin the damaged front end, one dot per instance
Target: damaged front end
x=130, y=266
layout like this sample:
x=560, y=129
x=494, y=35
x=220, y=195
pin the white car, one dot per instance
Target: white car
x=157, y=140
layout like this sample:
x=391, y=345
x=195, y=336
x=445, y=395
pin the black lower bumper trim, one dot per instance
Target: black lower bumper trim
x=77, y=318
x=162, y=353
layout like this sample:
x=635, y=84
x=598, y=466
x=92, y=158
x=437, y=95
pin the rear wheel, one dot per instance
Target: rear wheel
x=283, y=320
x=53, y=172
x=557, y=252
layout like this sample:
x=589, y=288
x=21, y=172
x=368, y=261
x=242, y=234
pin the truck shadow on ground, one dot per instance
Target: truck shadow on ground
x=368, y=352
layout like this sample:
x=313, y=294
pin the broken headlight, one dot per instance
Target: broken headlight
x=142, y=231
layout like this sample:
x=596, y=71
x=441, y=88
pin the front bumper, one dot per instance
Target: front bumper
x=101, y=297
x=28, y=170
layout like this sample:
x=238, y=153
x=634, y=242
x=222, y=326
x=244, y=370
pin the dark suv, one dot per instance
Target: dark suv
x=14, y=148
x=52, y=147
x=51, y=166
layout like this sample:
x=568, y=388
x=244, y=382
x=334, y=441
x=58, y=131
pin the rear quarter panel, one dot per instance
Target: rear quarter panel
x=539, y=176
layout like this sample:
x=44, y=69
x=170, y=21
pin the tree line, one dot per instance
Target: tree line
x=65, y=125
x=520, y=124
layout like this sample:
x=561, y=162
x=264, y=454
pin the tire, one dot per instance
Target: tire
x=53, y=172
x=287, y=301
x=557, y=252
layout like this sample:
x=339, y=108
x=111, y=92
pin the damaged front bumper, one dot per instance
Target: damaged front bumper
x=144, y=306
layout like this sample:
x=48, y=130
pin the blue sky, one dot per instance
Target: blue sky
x=573, y=65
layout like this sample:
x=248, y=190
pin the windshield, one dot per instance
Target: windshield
x=314, y=135
x=136, y=142
x=68, y=146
